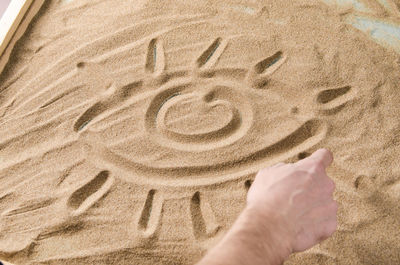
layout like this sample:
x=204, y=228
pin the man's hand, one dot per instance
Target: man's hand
x=300, y=197
x=290, y=208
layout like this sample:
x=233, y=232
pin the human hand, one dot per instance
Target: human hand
x=299, y=196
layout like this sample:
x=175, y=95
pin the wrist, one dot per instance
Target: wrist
x=257, y=236
x=268, y=228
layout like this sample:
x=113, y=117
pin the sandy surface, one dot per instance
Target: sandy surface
x=130, y=130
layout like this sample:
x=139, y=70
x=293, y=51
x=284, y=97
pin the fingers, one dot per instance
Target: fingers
x=323, y=156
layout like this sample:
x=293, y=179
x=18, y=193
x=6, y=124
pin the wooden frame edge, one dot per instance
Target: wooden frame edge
x=13, y=25
x=5, y=262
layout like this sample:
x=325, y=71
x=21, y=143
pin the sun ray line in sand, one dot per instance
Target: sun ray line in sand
x=332, y=100
x=41, y=203
x=18, y=142
x=203, y=218
x=259, y=75
x=210, y=56
x=59, y=96
x=155, y=59
x=8, y=84
x=65, y=172
x=87, y=195
x=118, y=96
x=150, y=215
x=58, y=117
x=18, y=184
x=48, y=88
x=28, y=157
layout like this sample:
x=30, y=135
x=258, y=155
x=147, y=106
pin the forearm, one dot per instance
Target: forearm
x=255, y=238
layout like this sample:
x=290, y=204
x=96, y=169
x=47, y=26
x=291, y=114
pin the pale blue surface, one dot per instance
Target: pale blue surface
x=386, y=33
x=383, y=32
x=357, y=5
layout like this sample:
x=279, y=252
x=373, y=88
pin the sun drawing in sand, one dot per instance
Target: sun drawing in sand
x=192, y=113
x=175, y=133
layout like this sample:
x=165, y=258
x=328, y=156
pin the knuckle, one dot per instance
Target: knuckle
x=332, y=227
x=308, y=179
x=329, y=229
x=334, y=206
x=317, y=167
x=331, y=186
x=323, y=235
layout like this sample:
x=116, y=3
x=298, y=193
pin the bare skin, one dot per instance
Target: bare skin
x=290, y=208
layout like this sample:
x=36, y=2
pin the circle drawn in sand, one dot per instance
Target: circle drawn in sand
x=187, y=117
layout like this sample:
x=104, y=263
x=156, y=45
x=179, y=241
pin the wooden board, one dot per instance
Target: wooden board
x=14, y=23
x=5, y=263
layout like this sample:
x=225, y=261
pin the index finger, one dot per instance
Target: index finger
x=321, y=155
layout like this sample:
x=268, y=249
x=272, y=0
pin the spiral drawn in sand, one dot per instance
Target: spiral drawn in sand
x=199, y=114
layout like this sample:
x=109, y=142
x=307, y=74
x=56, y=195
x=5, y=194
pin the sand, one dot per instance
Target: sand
x=130, y=130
